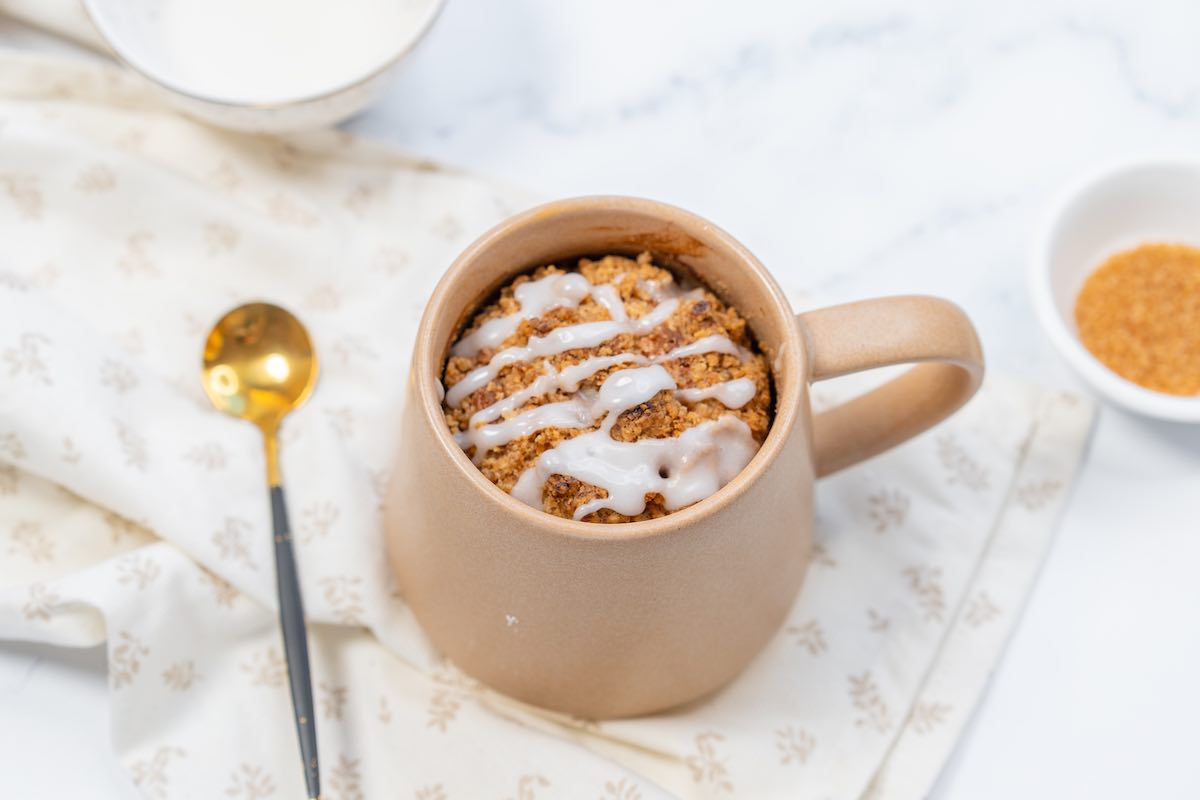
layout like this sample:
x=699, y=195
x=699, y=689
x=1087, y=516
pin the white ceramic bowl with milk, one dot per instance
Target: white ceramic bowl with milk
x=265, y=65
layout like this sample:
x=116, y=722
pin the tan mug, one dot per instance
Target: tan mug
x=616, y=620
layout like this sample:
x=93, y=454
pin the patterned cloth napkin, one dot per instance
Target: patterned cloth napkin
x=133, y=514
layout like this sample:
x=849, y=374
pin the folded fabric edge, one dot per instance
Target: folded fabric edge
x=1003, y=582
x=65, y=18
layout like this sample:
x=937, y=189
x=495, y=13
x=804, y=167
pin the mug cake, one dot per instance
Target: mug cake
x=607, y=391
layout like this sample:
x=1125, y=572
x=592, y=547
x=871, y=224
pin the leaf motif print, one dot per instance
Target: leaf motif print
x=316, y=521
x=623, y=789
x=135, y=259
x=225, y=175
x=443, y=709
x=888, y=509
x=132, y=139
x=345, y=779
x=359, y=198
x=230, y=541
x=266, y=668
x=390, y=260
x=120, y=528
x=343, y=594
x=125, y=659
x=137, y=571
x=249, y=782
x=209, y=456
x=795, y=745
x=288, y=211
x=25, y=195
x=27, y=358
x=180, y=676
x=225, y=594
x=152, y=775
x=332, y=700
x=325, y=297
x=11, y=447
x=349, y=348
x=1036, y=495
x=285, y=156
x=70, y=453
x=28, y=540
x=809, y=636
x=925, y=582
x=118, y=377
x=96, y=178
x=133, y=446
x=527, y=786
x=39, y=603
x=706, y=764
x=821, y=556
x=868, y=701
x=221, y=238
x=341, y=419
x=981, y=610
x=379, y=485
x=925, y=717
x=961, y=469
x=451, y=687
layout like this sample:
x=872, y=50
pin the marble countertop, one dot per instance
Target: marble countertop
x=862, y=148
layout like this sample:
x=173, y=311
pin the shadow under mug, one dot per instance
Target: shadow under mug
x=617, y=620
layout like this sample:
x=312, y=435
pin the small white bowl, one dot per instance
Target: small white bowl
x=207, y=55
x=1117, y=208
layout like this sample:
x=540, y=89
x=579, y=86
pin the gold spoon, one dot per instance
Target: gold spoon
x=259, y=365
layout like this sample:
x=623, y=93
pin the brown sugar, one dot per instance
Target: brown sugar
x=639, y=284
x=1139, y=314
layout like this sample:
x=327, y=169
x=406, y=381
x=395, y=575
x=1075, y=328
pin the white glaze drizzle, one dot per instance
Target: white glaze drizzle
x=560, y=340
x=569, y=378
x=607, y=295
x=660, y=290
x=535, y=298
x=709, y=344
x=569, y=289
x=683, y=469
x=732, y=394
x=573, y=413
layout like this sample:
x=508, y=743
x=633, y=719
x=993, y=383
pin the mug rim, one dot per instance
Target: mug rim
x=426, y=371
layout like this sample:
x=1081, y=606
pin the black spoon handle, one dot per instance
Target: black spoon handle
x=295, y=641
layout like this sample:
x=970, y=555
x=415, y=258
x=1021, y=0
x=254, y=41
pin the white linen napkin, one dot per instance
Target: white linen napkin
x=66, y=18
x=132, y=513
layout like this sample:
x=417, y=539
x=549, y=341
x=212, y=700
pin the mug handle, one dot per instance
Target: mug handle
x=933, y=333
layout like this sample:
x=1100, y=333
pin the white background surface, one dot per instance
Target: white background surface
x=859, y=149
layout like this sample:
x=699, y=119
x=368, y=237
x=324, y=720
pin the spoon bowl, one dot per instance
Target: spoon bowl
x=259, y=364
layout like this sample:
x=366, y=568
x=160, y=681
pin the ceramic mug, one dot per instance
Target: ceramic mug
x=616, y=620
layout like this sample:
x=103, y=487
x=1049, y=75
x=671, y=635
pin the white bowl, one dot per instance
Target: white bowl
x=1117, y=208
x=264, y=66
